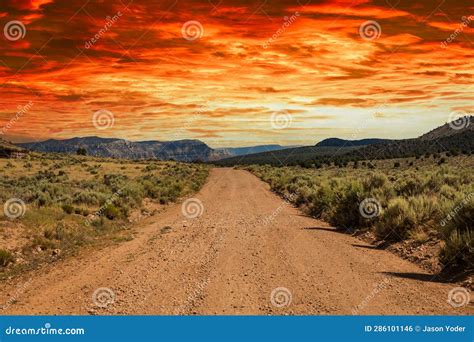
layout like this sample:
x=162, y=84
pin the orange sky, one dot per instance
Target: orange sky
x=307, y=63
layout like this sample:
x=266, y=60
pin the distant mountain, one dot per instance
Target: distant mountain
x=239, y=151
x=454, y=137
x=290, y=156
x=462, y=142
x=448, y=129
x=181, y=150
x=331, y=147
x=336, y=142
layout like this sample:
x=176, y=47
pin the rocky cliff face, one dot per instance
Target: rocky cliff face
x=181, y=150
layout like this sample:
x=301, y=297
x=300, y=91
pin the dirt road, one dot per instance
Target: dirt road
x=248, y=253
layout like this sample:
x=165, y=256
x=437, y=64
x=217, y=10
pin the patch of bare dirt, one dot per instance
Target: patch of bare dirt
x=12, y=236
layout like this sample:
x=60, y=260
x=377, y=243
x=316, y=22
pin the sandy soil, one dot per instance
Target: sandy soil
x=249, y=252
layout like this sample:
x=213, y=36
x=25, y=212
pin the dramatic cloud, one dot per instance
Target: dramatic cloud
x=221, y=70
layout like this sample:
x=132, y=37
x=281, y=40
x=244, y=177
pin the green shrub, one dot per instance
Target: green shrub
x=322, y=201
x=374, y=181
x=448, y=192
x=426, y=209
x=396, y=220
x=43, y=199
x=111, y=212
x=56, y=233
x=345, y=212
x=89, y=197
x=458, y=251
x=68, y=209
x=458, y=235
x=6, y=257
x=44, y=243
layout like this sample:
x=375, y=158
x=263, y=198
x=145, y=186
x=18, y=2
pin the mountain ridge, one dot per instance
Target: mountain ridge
x=187, y=150
x=338, y=142
x=457, y=136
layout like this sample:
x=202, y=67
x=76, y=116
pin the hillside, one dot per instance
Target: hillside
x=6, y=148
x=290, y=156
x=336, y=142
x=240, y=151
x=462, y=125
x=181, y=150
x=447, y=138
x=458, y=143
x=7, y=145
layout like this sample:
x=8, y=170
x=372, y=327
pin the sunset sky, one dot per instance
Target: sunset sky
x=234, y=73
